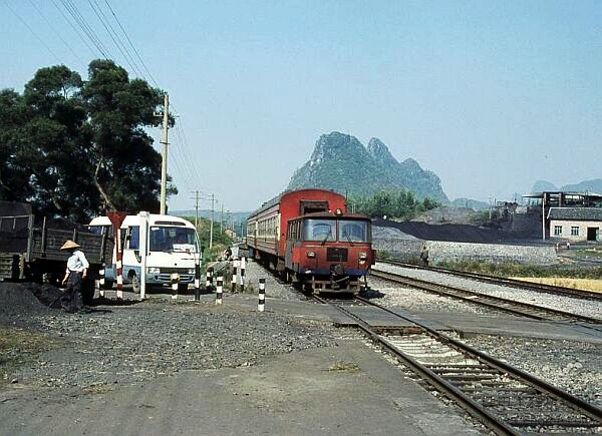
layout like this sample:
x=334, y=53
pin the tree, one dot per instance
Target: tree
x=73, y=148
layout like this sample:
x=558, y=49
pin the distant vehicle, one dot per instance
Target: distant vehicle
x=173, y=245
x=308, y=236
x=30, y=247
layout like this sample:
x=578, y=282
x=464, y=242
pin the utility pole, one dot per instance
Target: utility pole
x=212, y=218
x=221, y=222
x=196, y=207
x=165, y=142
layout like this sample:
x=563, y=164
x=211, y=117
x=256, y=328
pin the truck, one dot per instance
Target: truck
x=30, y=246
x=174, y=251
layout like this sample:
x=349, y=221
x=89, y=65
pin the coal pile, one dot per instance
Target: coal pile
x=18, y=301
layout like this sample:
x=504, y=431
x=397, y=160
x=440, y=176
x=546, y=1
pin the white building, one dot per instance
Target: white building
x=575, y=223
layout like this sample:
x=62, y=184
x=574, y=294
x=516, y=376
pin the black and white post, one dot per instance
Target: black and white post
x=261, y=304
x=101, y=281
x=209, y=279
x=175, y=279
x=220, y=290
x=234, y=274
x=243, y=266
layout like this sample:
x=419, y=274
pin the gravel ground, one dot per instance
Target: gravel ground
x=560, y=302
x=572, y=366
x=273, y=288
x=415, y=300
x=131, y=344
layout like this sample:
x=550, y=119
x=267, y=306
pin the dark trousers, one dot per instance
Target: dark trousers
x=72, y=301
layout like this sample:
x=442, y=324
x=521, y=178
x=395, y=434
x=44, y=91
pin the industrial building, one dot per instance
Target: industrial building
x=570, y=216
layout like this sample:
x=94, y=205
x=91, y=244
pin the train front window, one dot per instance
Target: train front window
x=319, y=230
x=353, y=231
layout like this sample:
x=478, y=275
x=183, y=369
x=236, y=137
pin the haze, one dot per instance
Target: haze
x=491, y=96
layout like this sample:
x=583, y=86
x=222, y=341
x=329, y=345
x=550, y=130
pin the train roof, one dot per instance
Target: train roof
x=274, y=201
x=329, y=215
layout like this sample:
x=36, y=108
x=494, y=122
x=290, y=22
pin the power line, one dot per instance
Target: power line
x=113, y=35
x=32, y=31
x=56, y=32
x=83, y=24
x=75, y=29
x=131, y=43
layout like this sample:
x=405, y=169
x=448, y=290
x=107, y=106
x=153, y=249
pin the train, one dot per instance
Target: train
x=310, y=239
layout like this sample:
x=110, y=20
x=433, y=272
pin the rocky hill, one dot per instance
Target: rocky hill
x=594, y=185
x=342, y=163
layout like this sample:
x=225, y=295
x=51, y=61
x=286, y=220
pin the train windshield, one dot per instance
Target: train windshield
x=353, y=231
x=169, y=239
x=319, y=230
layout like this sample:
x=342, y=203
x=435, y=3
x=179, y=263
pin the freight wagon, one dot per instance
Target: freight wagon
x=30, y=246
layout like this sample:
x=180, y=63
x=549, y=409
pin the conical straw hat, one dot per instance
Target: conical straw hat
x=69, y=244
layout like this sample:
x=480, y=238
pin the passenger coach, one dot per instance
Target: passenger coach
x=308, y=237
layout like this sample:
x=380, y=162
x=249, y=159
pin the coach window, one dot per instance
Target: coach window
x=353, y=231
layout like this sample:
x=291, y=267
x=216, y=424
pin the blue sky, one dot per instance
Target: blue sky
x=490, y=95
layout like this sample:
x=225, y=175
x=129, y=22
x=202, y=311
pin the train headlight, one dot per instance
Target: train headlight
x=191, y=271
x=153, y=270
x=311, y=254
x=363, y=255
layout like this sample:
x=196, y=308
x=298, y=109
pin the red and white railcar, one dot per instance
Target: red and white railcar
x=308, y=236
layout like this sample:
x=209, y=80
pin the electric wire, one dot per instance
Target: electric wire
x=83, y=24
x=74, y=27
x=56, y=32
x=114, y=37
x=14, y=12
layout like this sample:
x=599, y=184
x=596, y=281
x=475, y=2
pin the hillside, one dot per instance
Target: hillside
x=594, y=185
x=342, y=163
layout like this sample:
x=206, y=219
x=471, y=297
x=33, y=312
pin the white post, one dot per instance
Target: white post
x=143, y=237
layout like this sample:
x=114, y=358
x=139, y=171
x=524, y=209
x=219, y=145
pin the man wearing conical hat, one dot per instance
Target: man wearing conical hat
x=77, y=269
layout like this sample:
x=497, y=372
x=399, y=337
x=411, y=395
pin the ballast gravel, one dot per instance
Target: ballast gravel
x=572, y=366
x=560, y=302
x=415, y=300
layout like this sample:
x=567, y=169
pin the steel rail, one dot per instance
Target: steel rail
x=515, y=307
x=504, y=281
x=593, y=411
x=476, y=410
x=442, y=385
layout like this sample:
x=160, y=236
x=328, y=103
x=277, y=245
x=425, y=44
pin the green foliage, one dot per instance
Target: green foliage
x=400, y=204
x=220, y=239
x=73, y=148
x=508, y=269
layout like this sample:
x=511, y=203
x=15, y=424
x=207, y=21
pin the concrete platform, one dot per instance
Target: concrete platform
x=294, y=394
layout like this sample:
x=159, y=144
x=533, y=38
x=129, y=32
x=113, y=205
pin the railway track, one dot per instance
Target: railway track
x=504, y=398
x=520, y=284
x=510, y=306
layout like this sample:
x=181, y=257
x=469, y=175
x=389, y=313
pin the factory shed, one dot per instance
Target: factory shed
x=576, y=224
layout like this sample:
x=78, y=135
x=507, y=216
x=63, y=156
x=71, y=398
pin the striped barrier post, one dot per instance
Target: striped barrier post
x=197, y=280
x=243, y=266
x=209, y=279
x=261, y=304
x=220, y=289
x=234, y=278
x=101, y=281
x=174, y=286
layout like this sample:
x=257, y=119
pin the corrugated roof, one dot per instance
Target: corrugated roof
x=575, y=213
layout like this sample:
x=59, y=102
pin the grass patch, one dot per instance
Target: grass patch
x=522, y=270
x=583, y=284
x=17, y=347
x=341, y=366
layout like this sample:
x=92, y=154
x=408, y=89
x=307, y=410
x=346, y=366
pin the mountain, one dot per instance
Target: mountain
x=471, y=204
x=543, y=185
x=341, y=162
x=594, y=185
